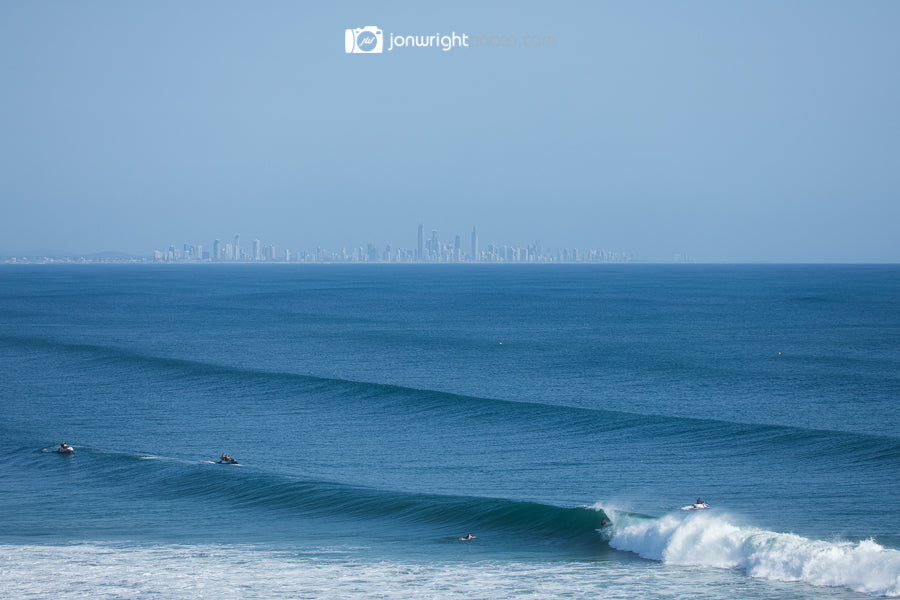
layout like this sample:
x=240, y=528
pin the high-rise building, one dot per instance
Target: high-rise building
x=217, y=250
x=237, y=247
x=420, y=253
x=256, y=254
x=475, y=256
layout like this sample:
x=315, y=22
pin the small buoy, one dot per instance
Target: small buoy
x=501, y=343
x=779, y=354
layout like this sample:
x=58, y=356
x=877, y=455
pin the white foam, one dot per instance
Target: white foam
x=708, y=540
x=123, y=571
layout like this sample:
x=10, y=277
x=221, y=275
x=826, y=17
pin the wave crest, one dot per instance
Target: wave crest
x=713, y=541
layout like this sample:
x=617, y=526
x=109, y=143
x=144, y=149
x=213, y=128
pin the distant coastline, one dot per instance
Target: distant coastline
x=144, y=260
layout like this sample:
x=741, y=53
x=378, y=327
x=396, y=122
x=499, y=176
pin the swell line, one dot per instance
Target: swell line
x=863, y=449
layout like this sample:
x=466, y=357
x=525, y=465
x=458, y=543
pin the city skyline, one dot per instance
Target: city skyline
x=426, y=250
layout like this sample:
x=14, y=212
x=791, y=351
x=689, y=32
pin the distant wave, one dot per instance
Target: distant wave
x=710, y=540
x=871, y=451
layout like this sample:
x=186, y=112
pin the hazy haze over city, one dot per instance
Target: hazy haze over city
x=739, y=131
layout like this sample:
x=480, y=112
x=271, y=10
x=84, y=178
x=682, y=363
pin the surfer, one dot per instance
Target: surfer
x=604, y=522
x=468, y=537
x=64, y=448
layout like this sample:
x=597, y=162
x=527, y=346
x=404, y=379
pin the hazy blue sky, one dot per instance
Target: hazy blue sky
x=742, y=131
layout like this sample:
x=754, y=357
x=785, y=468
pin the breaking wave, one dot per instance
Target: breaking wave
x=708, y=540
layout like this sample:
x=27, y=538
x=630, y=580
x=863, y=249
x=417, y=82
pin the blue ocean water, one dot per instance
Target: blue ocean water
x=381, y=412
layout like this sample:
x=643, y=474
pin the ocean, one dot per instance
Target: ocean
x=562, y=414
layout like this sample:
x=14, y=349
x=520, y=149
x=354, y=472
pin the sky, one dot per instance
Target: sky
x=741, y=131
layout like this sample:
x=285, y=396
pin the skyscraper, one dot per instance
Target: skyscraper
x=256, y=255
x=420, y=252
x=217, y=250
x=475, y=256
x=237, y=247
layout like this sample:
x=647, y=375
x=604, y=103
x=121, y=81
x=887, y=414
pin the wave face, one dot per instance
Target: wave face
x=714, y=541
x=248, y=489
x=114, y=491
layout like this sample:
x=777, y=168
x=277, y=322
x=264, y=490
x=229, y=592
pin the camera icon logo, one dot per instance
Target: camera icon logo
x=364, y=40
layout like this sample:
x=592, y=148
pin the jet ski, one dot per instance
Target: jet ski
x=65, y=450
x=698, y=506
x=227, y=461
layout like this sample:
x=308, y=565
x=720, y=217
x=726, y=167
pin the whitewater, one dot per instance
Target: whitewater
x=710, y=540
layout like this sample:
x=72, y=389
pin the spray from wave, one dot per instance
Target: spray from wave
x=713, y=541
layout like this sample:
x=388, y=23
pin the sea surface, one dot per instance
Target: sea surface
x=382, y=412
